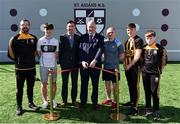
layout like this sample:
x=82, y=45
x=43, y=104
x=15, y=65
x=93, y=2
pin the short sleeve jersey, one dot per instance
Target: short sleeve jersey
x=112, y=50
x=48, y=49
x=130, y=46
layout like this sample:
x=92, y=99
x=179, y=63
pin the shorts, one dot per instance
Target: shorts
x=106, y=76
x=44, y=74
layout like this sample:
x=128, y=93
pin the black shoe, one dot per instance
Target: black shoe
x=64, y=104
x=19, y=111
x=83, y=106
x=148, y=112
x=128, y=104
x=133, y=111
x=32, y=106
x=156, y=116
x=75, y=104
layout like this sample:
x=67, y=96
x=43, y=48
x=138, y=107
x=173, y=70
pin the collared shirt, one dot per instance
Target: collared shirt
x=92, y=35
x=71, y=39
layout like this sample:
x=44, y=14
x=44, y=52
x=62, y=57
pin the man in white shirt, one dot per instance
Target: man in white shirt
x=47, y=49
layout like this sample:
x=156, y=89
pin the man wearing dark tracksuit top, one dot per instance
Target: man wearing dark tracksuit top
x=154, y=58
x=21, y=50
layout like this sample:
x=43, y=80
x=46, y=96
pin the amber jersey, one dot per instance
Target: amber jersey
x=130, y=46
x=24, y=48
x=154, y=58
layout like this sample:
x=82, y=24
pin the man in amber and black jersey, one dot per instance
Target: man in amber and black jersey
x=21, y=50
x=154, y=59
x=133, y=49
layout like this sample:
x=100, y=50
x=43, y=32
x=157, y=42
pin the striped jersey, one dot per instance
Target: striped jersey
x=130, y=46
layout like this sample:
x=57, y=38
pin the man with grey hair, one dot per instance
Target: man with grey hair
x=90, y=52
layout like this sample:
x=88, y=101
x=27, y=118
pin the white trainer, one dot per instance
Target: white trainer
x=54, y=104
x=44, y=105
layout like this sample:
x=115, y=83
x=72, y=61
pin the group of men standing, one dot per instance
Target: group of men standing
x=86, y=52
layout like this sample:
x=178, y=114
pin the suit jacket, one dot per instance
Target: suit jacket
x=68, y=56
x=89, y=51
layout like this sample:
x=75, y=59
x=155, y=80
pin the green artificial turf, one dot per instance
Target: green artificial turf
x=169, y=100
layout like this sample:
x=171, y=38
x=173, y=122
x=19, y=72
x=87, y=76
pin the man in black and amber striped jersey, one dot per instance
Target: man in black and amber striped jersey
x=154, y=58
x=133, y=49
x=22, y=49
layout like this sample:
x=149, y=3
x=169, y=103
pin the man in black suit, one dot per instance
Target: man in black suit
x=90, y=52
x=68, y=58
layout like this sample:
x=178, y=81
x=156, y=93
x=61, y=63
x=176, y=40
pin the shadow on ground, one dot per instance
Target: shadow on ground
x=87, y=114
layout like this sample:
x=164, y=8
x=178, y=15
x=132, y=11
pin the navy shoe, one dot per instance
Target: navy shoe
x=148, y=112
x=32, y=106
x=156, y=116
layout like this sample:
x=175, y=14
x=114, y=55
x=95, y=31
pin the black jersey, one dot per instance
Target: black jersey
x=130, y=46
x=154, y=58
x=24, y=48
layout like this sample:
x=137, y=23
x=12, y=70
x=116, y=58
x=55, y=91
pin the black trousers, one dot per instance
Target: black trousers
x=151, y=88
x=74, y=79
x=133, y=78
x=85, y=75
x=21, y=76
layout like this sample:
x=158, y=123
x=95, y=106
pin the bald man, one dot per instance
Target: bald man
x=90, y=52
x=113, y=52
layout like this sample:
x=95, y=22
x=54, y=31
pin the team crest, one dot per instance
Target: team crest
x=82, y=16
x=32, y=41
x=45, y=48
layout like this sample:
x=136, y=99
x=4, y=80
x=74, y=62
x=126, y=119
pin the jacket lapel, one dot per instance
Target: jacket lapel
x=67, y=40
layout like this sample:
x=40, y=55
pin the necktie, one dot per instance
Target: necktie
x=71, y=40
x=90, y=39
